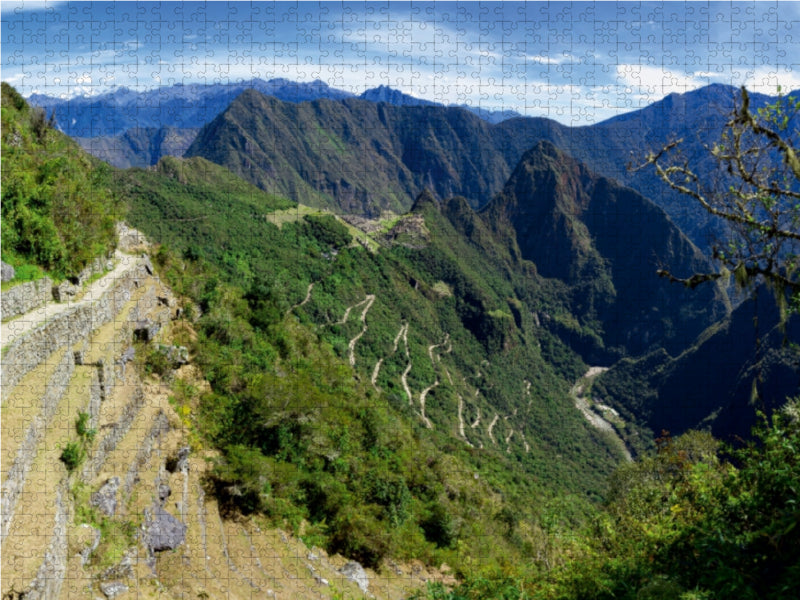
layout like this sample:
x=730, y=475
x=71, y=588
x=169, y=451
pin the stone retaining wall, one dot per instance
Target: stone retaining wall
x=26, y=454
x=26, y=297
x=50, y=576
x=110, y=441
x=68, y=327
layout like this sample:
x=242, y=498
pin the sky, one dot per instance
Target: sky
x=576, y=62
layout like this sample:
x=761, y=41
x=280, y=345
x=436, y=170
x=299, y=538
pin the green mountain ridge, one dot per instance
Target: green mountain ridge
x=355, y=156
x=439, y=344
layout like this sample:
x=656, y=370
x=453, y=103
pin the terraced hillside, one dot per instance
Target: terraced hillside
x=129, y=516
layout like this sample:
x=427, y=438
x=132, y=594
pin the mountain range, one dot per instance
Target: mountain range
x=411, y=332
x=380, y=150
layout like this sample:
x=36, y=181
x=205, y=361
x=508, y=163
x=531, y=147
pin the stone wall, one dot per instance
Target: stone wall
x=50, y=576
x=68, y=327
x=26, y=297
x=26, y=454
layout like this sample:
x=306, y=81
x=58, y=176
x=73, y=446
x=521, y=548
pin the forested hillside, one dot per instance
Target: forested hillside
x=58, y=213
x=479, y=392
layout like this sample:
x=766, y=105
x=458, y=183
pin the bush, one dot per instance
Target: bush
x=73, y=455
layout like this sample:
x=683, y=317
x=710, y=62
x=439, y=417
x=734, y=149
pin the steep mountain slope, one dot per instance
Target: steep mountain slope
x=453, y=153
x=613, y=148
x=354, y=155
x=697, y=117
x=139, y=146
x=343, y=361
x=714, y=382
x=58, y=213
x=606, y=242
x=127, y=128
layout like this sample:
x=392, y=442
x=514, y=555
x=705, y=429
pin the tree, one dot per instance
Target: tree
x=756, y=192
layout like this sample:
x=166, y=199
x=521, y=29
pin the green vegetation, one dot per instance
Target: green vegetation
x=411, y=398
x=692, y=520
x=58, y=213
x=306, y=439
x=75, y=451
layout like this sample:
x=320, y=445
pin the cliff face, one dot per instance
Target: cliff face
x=102, y=481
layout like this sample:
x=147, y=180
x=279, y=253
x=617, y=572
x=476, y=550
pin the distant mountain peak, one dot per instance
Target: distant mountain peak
x=384, y=93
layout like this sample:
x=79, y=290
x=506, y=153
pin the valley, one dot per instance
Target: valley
x=378, y=347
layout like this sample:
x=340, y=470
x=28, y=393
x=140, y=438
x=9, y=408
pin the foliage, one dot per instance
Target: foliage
x=75, y=452
x=304, y=437
x=58, y=213
x=693, y=520
x=758, y=201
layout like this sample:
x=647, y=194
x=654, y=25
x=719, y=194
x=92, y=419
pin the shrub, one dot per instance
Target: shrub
x=73, y=455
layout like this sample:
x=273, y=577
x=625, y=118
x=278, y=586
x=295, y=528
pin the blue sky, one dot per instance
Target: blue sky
x=575, y=62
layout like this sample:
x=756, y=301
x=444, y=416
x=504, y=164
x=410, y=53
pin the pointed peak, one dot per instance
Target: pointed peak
x=424, y=200
x=543, y=148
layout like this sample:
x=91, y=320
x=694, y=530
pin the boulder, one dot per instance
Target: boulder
x=105, y=499
x=163, y=531
x=356, y=573
x=7, y=271
x=112, y=589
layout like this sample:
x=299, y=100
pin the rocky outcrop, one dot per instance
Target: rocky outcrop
x=162, y=531
x=355, y=573
x=6, y=272
x=105, y=499
x=112, y=589
x=131, y=240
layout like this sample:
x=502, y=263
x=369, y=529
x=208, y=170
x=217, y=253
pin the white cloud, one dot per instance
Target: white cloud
x=655, y=82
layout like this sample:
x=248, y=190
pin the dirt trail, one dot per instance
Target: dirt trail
x=477, y=420
x=434, y=359
x=16, y=328
x=491, y=426
x=404, y=376
x=461, y=420
x=347, y=310
x=304, y=301
x=351, y=347
x=424, y=393
x=376, y=371
x=582, y=404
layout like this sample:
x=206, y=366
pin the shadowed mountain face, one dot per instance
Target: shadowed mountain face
x=742, y=364
x=139, y=146
x=606, y=242
x=374, y=156
x=354, y=155
x=415, y=143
